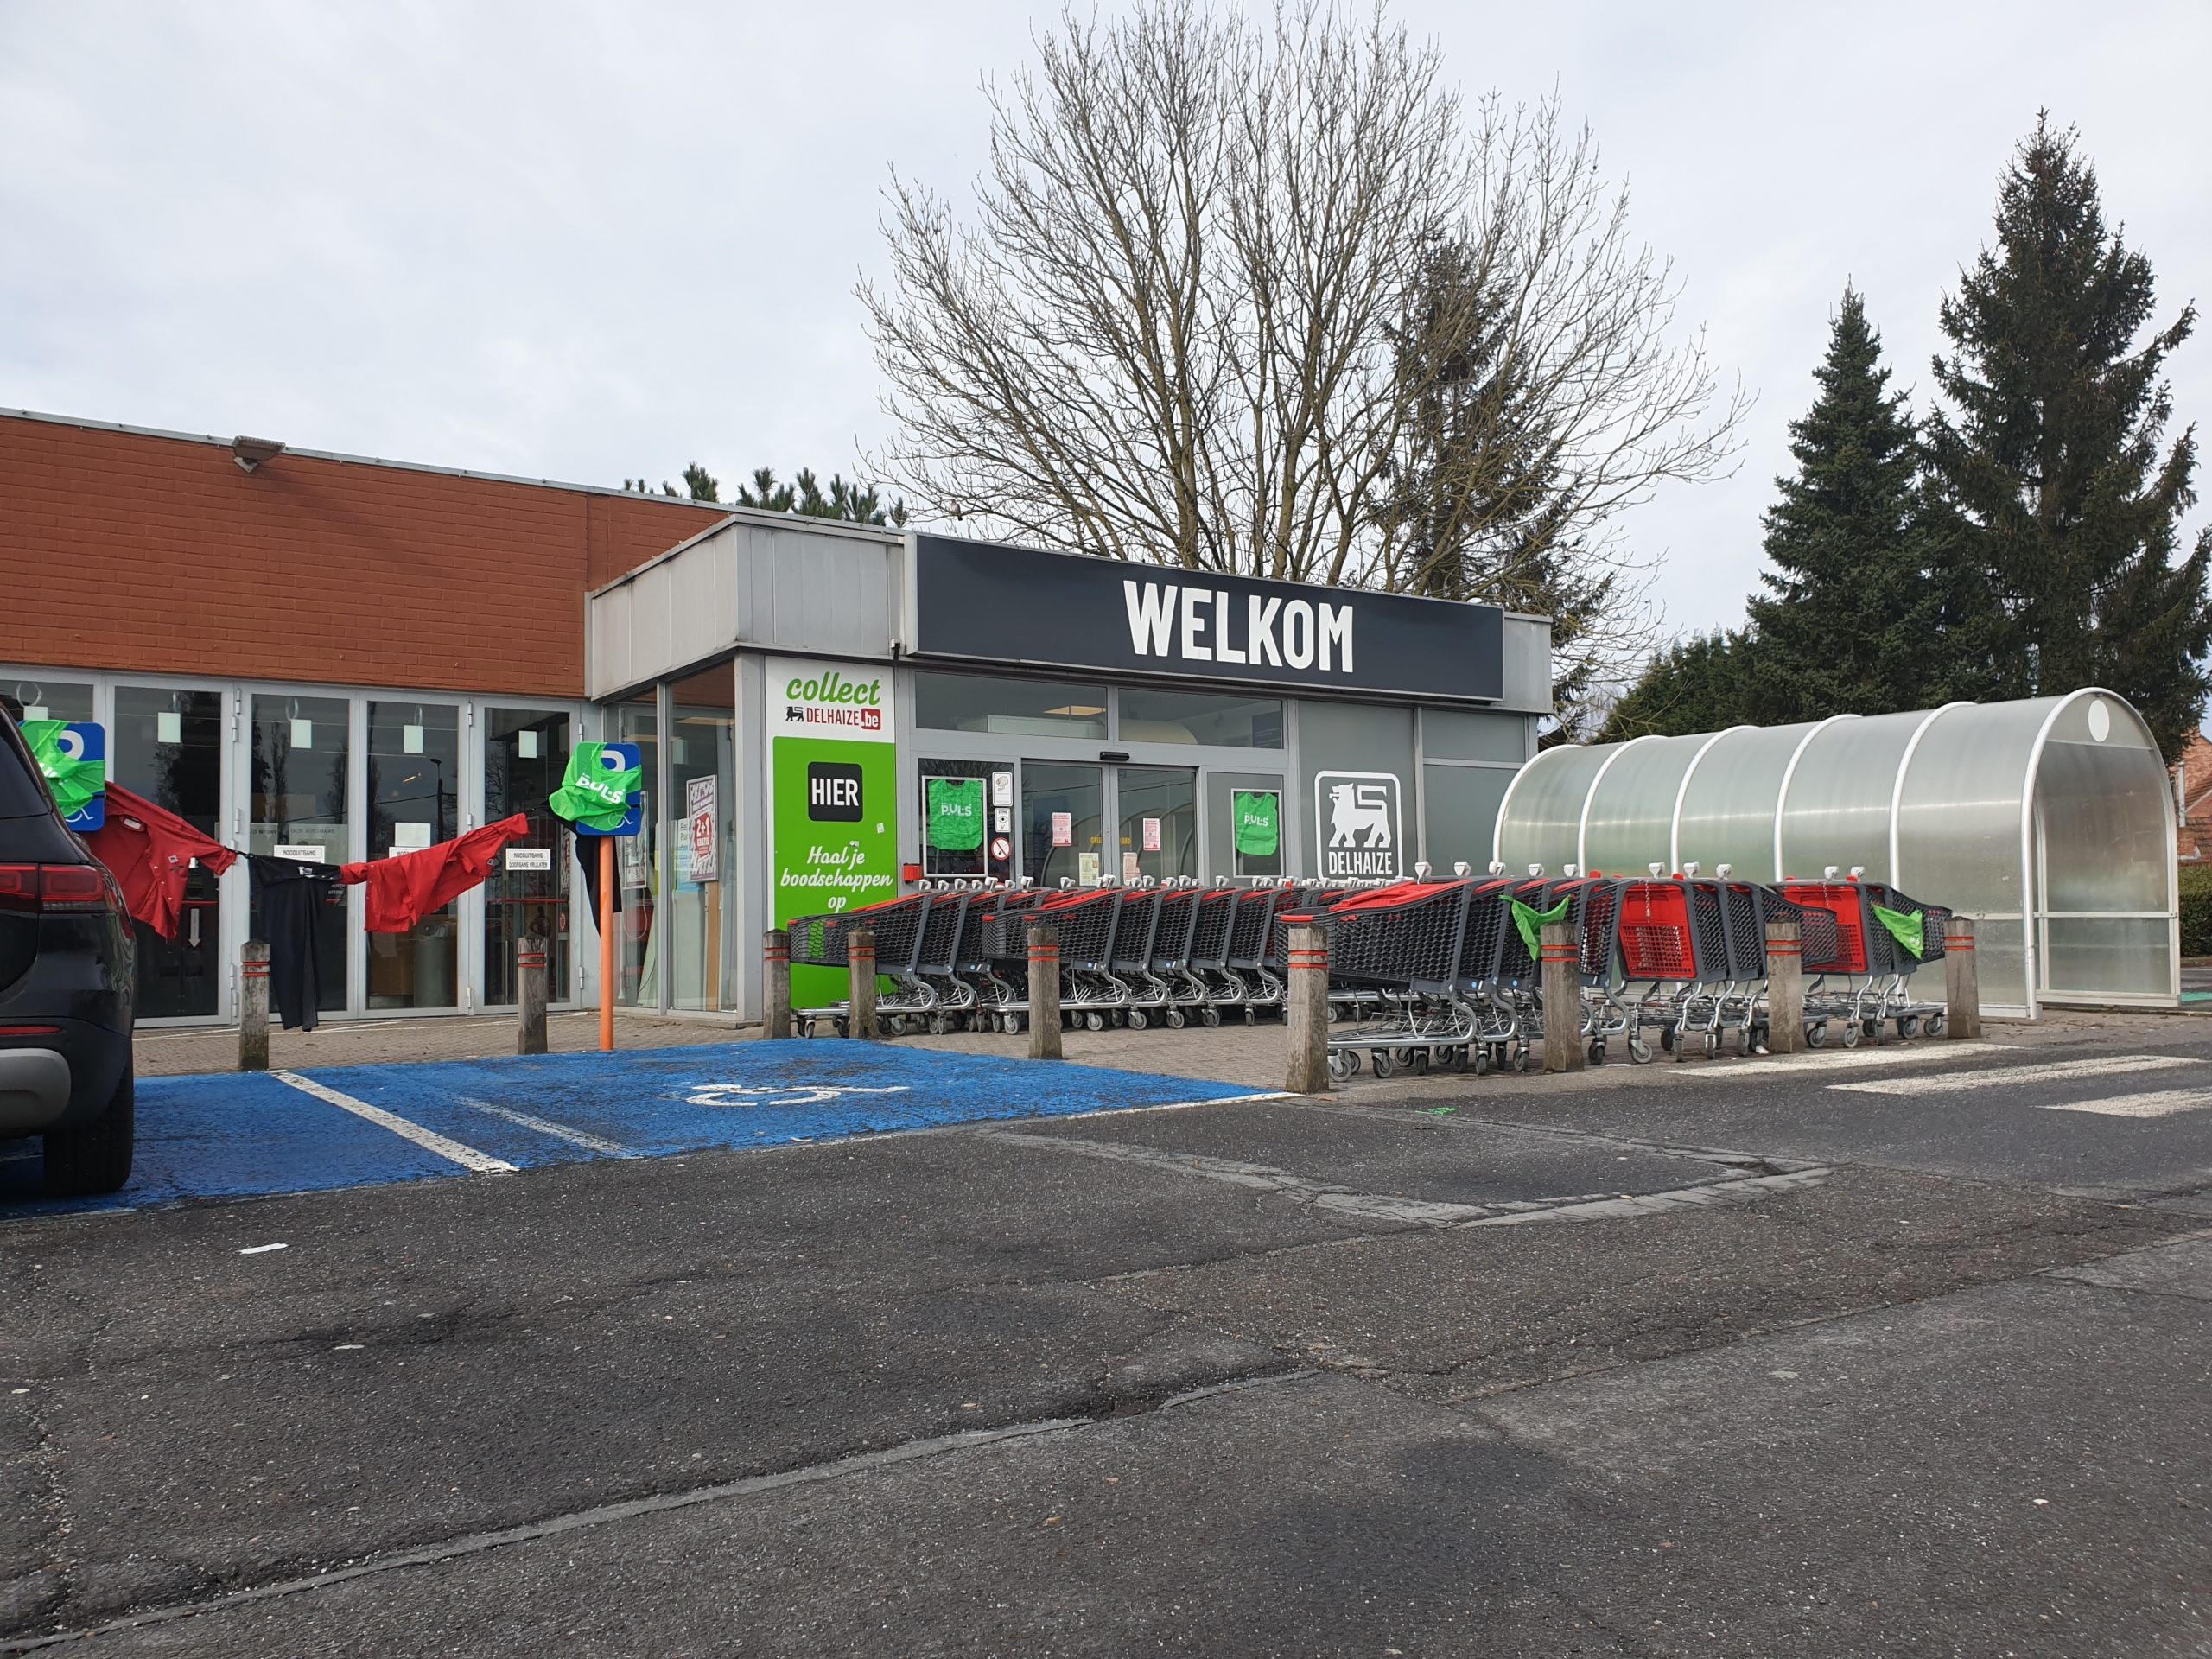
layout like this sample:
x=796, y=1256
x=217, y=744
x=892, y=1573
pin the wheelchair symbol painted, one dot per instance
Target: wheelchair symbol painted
x=802, y=1094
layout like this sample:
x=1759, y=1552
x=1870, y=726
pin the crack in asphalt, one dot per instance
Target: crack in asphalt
x=601, y=1515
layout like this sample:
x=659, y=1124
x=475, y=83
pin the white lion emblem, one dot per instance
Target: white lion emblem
x=1352, y=809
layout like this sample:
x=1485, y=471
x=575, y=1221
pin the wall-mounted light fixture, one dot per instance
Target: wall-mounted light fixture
x=250, y=453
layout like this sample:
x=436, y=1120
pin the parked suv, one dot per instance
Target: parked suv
x=67, y=982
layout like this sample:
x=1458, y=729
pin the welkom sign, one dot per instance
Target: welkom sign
x=983, y=603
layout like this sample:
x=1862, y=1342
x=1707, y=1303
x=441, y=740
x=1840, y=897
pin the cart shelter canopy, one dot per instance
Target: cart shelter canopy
x=2050, y=821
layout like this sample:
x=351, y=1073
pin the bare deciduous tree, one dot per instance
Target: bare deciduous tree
x=1258, y=298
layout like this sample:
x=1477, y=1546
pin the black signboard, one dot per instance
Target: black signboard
x=984, y=602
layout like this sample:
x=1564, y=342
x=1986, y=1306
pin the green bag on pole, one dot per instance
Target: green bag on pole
x=956, y=814
x=1258, y=817
x=1532, y=922
x=591, y=795
x=72, y=782
x=1910, y=931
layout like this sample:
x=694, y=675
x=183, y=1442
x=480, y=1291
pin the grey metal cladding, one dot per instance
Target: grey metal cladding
x=1528, y=664
x=772, y=585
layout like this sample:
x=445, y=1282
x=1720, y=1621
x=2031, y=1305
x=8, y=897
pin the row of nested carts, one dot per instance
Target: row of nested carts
x=1422, y=974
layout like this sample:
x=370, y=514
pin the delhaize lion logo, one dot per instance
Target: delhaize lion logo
x=1352, y=809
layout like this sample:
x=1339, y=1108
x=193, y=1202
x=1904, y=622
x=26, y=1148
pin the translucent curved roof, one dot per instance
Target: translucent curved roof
x=2049, y=820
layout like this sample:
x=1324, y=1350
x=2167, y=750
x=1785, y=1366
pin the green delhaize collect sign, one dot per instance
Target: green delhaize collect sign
x=956, y=814
x=834, y=792
x=1258, y=816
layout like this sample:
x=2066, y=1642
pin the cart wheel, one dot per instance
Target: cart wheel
x=1174, y=1019
x=1384, y=1065
x=806, y=1028
x=1342, y=1063
x=1524, y=1058
x=1871, y=1028
x=1816, y=1032
x=1251, y=1018
x=1094, y=1021
x=896, y=1024
x=1934, y=1026
x=1712, y=1044
x=1208, y=1018
x=1455, y=1057
x=936, y=1024
x=1481, y=1062
x=1909, y=1025
x=1851, y=1033
x=1016, y=1024
x=1667, y=1039
x=843, y=1028
x=1136, y=1020
x=1421, y=1062
x=1639, y=1051
x=1742, y=1042
x=1597, y=1050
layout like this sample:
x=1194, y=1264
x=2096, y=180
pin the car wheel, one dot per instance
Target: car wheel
x=95, y=1157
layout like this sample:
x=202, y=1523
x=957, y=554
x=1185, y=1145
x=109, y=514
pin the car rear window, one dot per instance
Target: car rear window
x=23, y=792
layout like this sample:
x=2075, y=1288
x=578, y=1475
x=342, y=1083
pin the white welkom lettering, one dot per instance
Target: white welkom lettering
x=1194, y=625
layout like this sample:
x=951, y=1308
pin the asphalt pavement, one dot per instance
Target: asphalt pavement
x=1903, y=1351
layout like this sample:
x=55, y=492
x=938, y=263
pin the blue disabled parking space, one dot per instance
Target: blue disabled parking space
x=233, y=1136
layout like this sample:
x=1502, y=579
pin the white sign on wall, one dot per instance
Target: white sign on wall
x=1361, y=827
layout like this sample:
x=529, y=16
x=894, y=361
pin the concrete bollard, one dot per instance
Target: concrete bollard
x=253, y=1005
x=530, y=995
x=1562, y=944
x=859, y=958
x=775, y=984
x=1044, y=991
x=1305, y=1011
x=1785, y=988
x=1961, y=980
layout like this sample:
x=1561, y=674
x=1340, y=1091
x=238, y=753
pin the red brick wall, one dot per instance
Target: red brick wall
x=2195, y=836
x=122, y=550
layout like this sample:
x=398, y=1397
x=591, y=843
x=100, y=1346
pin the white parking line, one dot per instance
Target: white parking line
x=558, y=1131
x=2163, y=1103
x=429, y=1140
x=1904, y=1054
x=2004, y=1075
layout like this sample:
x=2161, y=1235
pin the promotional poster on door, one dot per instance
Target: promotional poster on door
x=833, y=781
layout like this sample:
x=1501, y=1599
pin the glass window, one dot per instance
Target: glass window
x=302, y=747
x=1160, y=823
x=525, y=756
x=31, y=699
x=701, y=774
x=953, y=842
x=1063, y=814
x=1247, y=831
x=168, y=747
x=1200, y=717
x=636, y=966
x=414, y=760
x=983, y=703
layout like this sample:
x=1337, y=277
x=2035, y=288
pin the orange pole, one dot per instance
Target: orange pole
x=606, y=944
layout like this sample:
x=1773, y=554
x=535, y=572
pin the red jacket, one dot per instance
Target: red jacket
x=408, y=886
x=151, y=850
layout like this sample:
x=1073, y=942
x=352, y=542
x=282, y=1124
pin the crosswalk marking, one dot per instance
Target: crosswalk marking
x=1834, y=1056
x=2016, y=1075
x=2162, y=1103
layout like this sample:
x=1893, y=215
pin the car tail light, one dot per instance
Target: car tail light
x=54, y=886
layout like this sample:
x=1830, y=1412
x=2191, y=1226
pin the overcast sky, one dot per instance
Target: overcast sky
x=583, y=241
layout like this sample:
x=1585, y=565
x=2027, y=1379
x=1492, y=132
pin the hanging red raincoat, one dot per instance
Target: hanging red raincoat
x=408, y=886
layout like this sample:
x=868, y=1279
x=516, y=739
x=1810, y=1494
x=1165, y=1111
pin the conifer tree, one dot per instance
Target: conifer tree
x=2056, y=513
x=1700, y=684
x=1848, y=623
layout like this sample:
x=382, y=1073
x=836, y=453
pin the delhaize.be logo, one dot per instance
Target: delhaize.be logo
x=830, y=699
